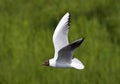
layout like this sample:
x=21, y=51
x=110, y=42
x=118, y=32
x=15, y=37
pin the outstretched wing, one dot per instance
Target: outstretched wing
x=66, y=54
x=60, y=36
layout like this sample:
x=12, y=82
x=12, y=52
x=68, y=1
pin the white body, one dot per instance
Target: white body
x=75, y=64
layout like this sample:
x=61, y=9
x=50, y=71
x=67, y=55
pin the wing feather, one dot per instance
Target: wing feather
x=66, y=53
x=60, y=36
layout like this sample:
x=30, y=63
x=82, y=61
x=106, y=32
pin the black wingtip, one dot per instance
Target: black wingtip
x=68, y=12
x=77, y=43
x=69, y=19
x=82, y=39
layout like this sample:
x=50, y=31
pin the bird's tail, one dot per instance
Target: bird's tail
x=77, y=64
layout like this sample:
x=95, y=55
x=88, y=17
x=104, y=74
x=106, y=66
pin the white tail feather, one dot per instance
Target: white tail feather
x=77, y=64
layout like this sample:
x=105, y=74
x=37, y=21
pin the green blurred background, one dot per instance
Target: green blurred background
x=26, y=29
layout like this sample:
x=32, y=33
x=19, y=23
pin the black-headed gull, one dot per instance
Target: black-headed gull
x=63, y=57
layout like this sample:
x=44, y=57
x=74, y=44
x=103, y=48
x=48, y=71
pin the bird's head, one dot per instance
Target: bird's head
x=46, y=63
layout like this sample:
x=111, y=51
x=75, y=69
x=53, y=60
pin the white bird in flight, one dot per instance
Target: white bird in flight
x=63, y=57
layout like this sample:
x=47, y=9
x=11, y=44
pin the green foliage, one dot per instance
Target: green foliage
x=26, y=28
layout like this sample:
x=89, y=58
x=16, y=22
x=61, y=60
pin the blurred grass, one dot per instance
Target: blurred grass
x=26, y=28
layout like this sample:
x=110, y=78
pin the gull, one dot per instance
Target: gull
x=63, y=56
